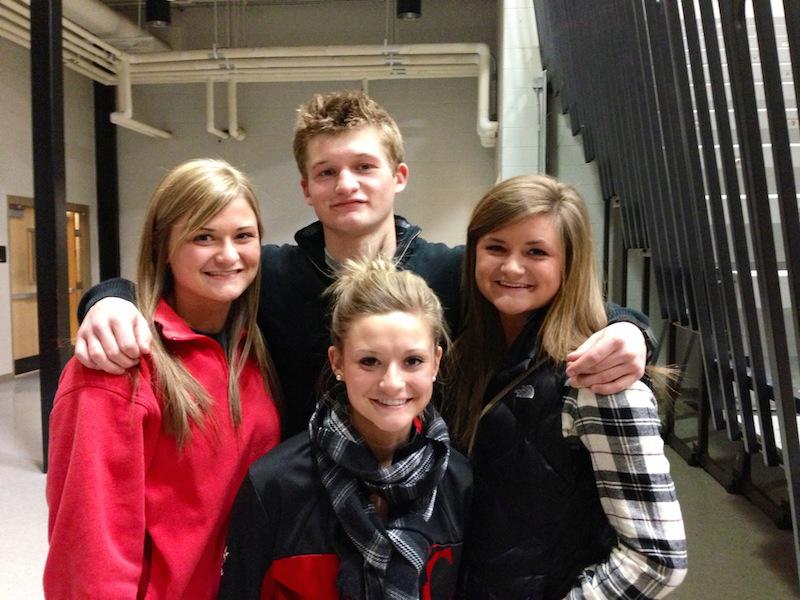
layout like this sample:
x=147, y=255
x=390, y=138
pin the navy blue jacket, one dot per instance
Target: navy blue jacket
x=295, y=317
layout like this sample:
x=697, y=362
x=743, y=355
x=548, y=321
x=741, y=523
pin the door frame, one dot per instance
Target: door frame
x=31, y=363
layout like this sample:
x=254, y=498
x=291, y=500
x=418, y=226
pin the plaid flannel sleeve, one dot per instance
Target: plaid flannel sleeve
x=622, y=434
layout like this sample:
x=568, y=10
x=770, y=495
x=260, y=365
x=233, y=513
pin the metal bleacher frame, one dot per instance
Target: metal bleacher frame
x=682, y=104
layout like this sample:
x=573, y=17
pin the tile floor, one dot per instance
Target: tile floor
x=735, y=552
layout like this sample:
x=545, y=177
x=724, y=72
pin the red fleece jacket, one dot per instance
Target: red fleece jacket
x=131, y=515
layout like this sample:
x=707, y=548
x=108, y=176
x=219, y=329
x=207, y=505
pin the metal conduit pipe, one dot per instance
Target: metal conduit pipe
x=487, y=129
x=19, y=23
x=124, y=117
x=210, y=126
x=19, y=14
x=283, y=75
x=12, y=33
x=73, y=57
x=320, y=51
x=99, y=46
x=304, y=61
x=305, y=74
x=186, y=66
x=78, y=64
x=233, y=113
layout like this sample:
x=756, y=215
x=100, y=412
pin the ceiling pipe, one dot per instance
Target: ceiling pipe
x=20, y=26
x=124, y=117
x=181, y=66
x=353, y=62
x=233, y=113
x=72, y=56
x=487, y=129
x=15, y=34
x=269, y=75
x=318, y=51
x=210, y=126
x=96, y=58
x=18, y=11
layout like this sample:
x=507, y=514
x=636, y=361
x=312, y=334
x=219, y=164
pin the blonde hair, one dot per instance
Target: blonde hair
x=374, y=286
x=574, y=314
x=337, y=112
x=196, y=191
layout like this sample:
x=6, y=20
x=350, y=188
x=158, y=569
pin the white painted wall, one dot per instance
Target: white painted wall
x=6, y=357
x=520, y=64
x=568, y=163
x=16, y=159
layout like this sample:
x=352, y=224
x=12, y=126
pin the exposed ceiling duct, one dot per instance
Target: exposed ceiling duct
x=108, y=25
x=94, y=41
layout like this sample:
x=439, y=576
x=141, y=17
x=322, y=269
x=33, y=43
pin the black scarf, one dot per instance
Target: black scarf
x=383, y=560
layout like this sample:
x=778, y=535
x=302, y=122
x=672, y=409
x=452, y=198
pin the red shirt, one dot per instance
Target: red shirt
x=131, y=514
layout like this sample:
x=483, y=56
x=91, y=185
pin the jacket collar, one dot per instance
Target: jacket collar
x=525, y=348
x=519, y=357
x=171, y=325
x=311, y=241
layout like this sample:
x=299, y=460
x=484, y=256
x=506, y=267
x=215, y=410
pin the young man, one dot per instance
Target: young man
x=350, y=155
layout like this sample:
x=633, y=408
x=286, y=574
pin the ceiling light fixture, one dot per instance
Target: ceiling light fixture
x=157, y=13
x=409, y=9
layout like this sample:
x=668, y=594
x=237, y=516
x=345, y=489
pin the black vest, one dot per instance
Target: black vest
x=536, y=519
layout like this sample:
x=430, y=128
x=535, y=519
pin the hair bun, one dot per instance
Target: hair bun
x=375, y=286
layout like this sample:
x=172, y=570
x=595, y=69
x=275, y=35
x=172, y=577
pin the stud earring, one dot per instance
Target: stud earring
x=434, y=378
x=338, y=376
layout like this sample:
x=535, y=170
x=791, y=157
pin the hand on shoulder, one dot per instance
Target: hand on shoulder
x=112, y=337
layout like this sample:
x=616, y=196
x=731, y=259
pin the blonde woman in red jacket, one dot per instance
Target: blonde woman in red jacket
x=144, y=466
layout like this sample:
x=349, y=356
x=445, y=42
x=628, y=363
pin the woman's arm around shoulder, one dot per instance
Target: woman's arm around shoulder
x=100, y=439
x=622, y=433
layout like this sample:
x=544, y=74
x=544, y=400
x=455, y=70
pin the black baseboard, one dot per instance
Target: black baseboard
x=25, y=365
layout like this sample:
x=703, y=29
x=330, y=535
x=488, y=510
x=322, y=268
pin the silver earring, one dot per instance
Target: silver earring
x=338, y=377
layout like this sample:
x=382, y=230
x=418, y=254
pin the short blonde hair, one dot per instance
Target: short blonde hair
x=337, y=112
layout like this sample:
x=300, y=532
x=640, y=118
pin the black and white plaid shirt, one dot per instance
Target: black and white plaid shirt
x=622, y=433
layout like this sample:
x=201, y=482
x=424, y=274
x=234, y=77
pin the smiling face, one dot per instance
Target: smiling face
x=518, y=269
x=214, y=265
x=388, y=363
x=350, y=182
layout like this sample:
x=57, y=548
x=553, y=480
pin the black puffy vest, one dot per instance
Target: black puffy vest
x=536, y=519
